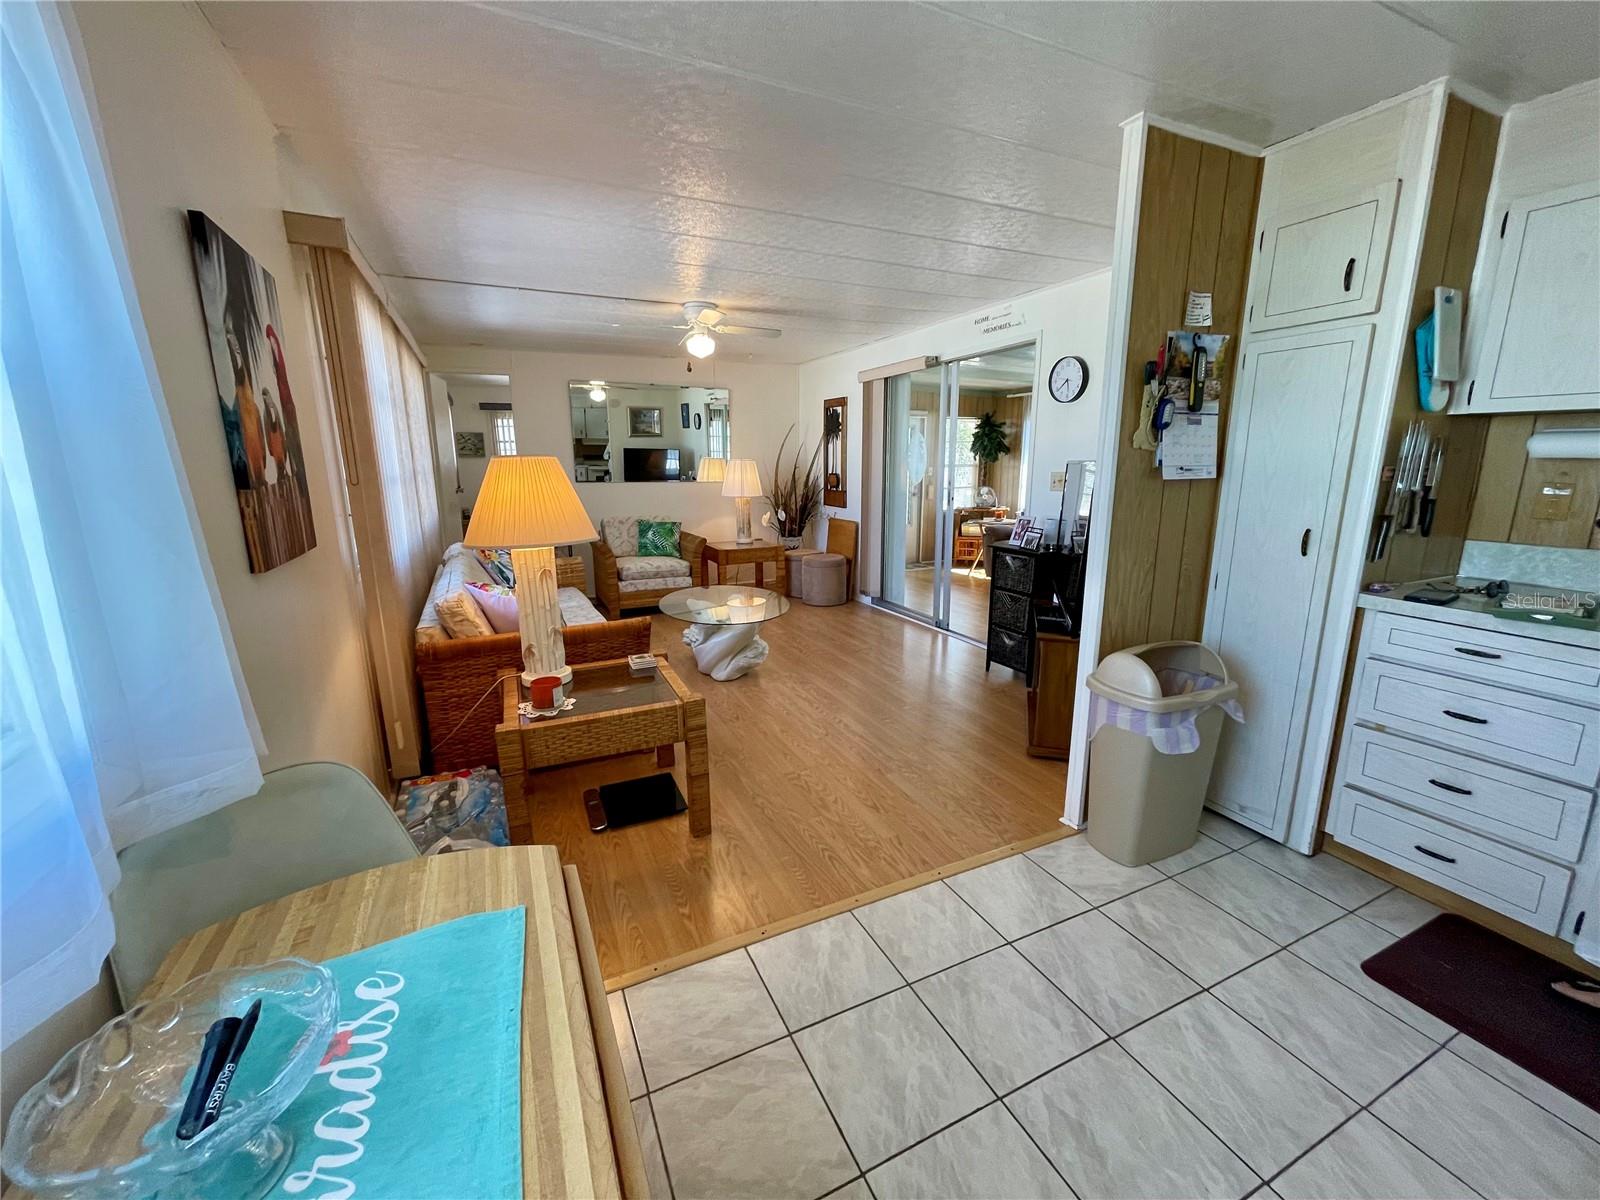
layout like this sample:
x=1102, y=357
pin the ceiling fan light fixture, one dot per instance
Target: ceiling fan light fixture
x=597, y=394
x=700, y=344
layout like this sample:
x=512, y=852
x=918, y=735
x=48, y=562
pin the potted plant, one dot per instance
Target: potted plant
x=795, y=496
x=988, y=444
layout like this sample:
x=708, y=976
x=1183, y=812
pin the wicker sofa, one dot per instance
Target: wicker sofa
x=457, y=676
x=622, y=580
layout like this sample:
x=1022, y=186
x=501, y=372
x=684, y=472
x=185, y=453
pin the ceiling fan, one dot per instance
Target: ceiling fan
x=705, y=319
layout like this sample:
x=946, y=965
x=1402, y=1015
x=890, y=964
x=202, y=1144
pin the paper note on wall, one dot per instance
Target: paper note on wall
x=1198, y=310
x=1189, y=446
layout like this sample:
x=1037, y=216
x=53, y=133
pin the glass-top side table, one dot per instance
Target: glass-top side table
x=724, y=626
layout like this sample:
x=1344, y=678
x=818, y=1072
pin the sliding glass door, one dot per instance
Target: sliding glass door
x=946, y=493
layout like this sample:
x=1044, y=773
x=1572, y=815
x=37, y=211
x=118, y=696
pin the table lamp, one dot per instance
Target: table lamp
x=742, y=482
x=528, y=505
x=712, y=470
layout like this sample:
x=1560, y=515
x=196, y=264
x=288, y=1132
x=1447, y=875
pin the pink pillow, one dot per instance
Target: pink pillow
x=499, y=604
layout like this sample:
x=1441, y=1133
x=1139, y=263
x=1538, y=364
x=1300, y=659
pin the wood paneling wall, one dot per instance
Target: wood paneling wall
x=1509, y=483
x=1197, y=212
x=1467, y=145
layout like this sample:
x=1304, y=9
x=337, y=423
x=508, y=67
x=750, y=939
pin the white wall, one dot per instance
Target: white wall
x=1069, y=318
x=762, y=406
x=182, y=130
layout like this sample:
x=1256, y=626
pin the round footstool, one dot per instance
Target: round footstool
x=793, y=581
x=823, y=579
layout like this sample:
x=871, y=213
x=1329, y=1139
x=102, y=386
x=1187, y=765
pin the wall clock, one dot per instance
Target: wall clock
x=1068, y=379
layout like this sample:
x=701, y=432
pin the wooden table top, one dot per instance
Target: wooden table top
x=566, y=1142
x=751, y=549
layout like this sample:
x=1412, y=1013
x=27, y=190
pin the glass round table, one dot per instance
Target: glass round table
x=724, y=625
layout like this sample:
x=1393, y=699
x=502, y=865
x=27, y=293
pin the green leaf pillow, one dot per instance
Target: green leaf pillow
x=659, y=539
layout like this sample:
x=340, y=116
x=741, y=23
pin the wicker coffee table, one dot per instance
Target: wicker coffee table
x=617, y=713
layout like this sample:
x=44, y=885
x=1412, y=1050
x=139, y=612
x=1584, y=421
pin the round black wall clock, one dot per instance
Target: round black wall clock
x=1068, y=379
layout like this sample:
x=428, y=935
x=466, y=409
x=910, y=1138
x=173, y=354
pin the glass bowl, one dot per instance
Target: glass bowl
x=104, y=1121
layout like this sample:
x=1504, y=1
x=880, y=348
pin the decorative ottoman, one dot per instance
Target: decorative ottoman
x=794, y=560
x=823, y=579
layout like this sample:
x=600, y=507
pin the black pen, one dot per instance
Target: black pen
x=230, y=1066
x=219, y=1039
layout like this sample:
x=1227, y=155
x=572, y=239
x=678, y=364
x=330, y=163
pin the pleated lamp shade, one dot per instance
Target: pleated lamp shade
x=742, y=479
x=712, y=470
x=527, y=500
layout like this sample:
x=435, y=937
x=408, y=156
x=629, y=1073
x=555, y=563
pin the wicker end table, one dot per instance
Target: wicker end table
x=617, y=713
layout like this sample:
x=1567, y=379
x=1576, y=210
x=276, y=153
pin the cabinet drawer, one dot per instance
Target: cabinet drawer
x=1498, y=876
x=1009, y=610
x=1525, y=810
x=1552, y=737
x=1013, y=572
x=1009, y=648
x=1528, y=664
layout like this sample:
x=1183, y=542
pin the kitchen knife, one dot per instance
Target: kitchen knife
x=1430, y=483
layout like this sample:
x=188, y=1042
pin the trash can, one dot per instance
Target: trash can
x=1155, y=714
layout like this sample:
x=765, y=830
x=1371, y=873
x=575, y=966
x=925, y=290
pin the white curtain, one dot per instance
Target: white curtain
x=122, y=713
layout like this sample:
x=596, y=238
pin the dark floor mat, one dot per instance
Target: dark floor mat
x=1498, y=992
x=632, y=801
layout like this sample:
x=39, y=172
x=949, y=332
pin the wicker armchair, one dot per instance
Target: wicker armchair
x=609, y=594
x=461, y=704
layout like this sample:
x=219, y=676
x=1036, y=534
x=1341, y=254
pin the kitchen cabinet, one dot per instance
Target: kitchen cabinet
x=1537, y=349
x=1322, y=263
x=1469, y=758
x=590, y=423
x=1289, y=441
x=577, y=424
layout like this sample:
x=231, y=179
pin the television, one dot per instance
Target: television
x=645, y=465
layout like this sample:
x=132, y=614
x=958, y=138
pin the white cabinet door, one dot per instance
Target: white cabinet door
x=577, y=424
x=1539, y=348
x=1322, y=264
x=1288, y=448
x=595, y=421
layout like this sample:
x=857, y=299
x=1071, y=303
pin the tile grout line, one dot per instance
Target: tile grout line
x=1461, y=1034
x=810, y=1074
x=1011, y=943
x=993, y=1091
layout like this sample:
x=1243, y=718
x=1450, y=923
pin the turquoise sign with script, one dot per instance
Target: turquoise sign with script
x=419, y=1094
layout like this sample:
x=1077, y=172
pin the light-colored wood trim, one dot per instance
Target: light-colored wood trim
x=332, y=233
x=904, y=367
x=1544, y=943
x=739, y=940
x=624, y=1134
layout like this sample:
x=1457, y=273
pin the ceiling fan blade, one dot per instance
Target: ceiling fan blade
x=753, y=330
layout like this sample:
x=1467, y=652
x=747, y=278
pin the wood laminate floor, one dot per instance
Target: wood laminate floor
x=865, y=751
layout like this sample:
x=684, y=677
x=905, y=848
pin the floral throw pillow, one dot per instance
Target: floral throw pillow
x=498, y=564
x=658, y=539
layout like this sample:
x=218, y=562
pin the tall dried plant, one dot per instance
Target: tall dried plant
x=795, y=498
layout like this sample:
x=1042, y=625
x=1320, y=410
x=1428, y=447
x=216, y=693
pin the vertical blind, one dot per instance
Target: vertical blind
x=380, y=397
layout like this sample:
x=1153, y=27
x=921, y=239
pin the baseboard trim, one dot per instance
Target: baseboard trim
x=738, y=941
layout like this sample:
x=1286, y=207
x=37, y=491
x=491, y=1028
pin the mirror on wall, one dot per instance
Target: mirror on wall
x=833, y=452
x=646, y=432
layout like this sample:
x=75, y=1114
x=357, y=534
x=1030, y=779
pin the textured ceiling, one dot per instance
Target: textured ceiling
x=562, y=175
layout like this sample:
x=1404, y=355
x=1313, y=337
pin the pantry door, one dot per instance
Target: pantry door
x=1290, y=439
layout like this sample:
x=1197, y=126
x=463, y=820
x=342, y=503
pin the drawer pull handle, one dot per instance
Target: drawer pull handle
x=1349, y=273
x=1433, y=854
x=1467, y=717
x=1475, y=653
x=1450, y=787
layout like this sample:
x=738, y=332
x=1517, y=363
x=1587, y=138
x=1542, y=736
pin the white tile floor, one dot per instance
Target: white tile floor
x=1058, y=1025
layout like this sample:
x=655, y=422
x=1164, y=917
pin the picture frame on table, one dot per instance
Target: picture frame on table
x=1019, y=531
x=1032, y=538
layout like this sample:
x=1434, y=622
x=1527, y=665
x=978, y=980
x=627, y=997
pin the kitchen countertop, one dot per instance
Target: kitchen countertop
x=1478, y=612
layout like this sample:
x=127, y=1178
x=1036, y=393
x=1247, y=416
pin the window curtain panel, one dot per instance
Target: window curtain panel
x=124, y=713
x=380, y=396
